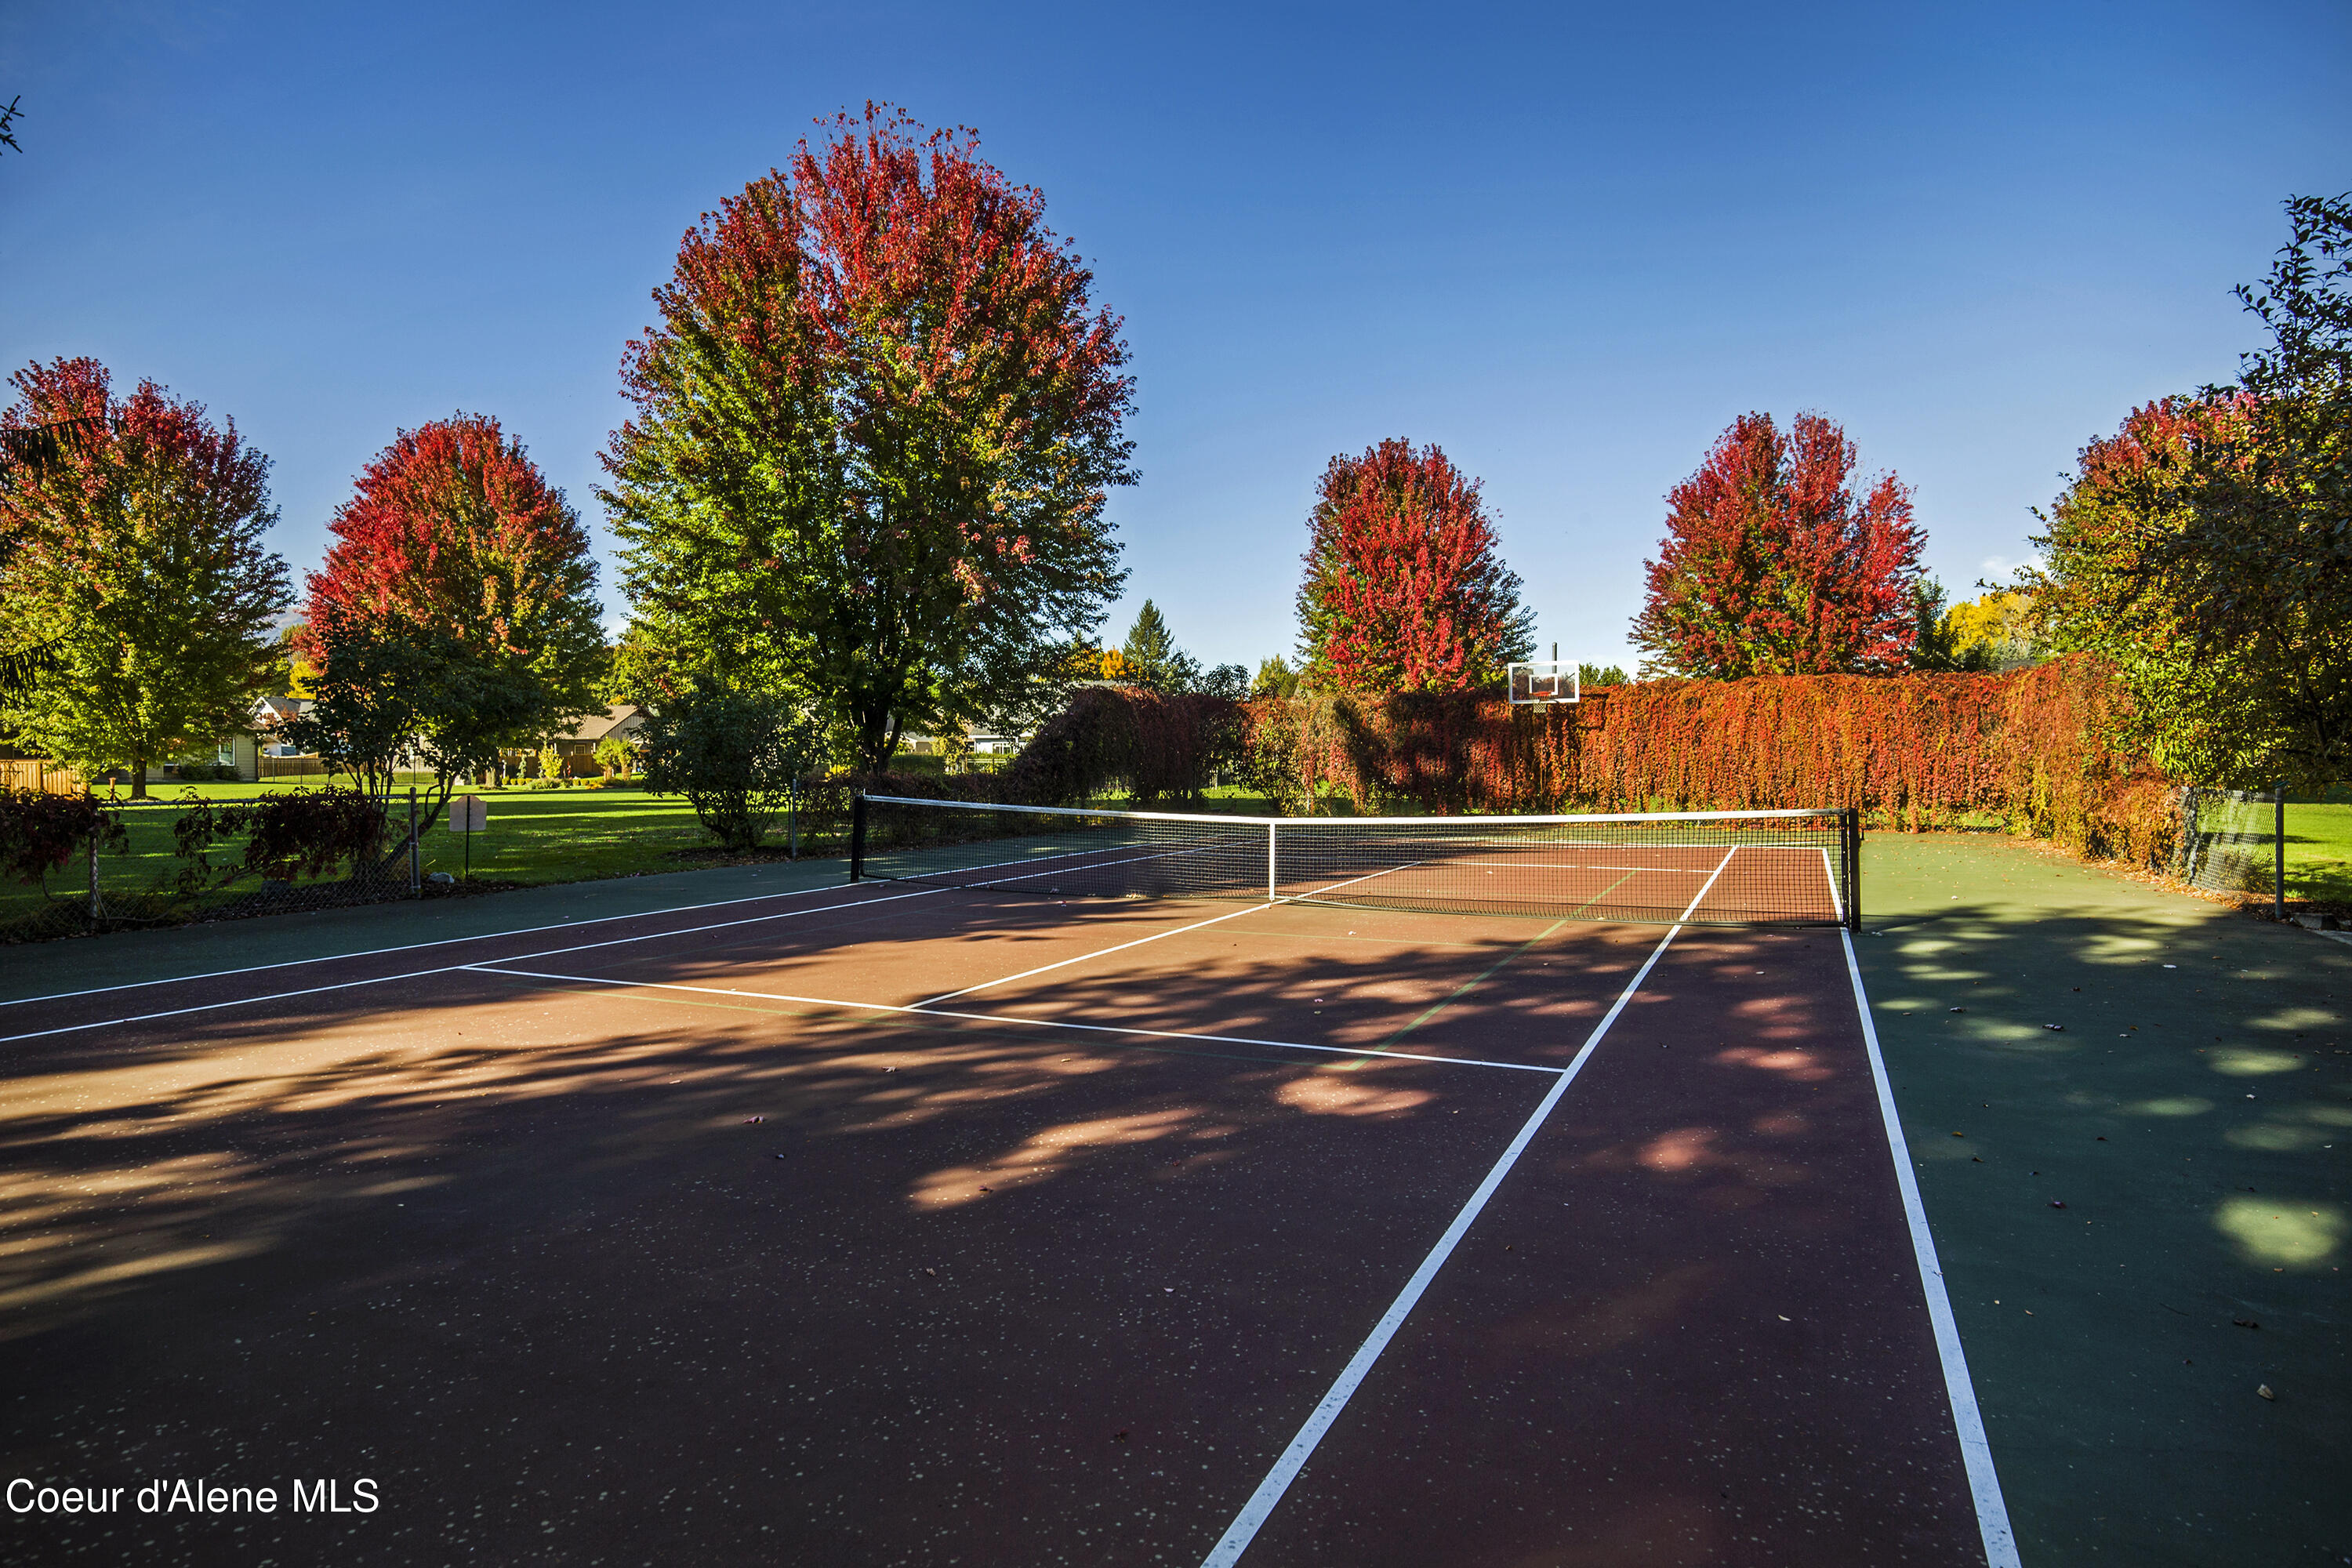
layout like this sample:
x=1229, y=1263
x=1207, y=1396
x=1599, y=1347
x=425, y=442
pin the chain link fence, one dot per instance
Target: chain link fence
x=148, y=874
x=2230, y=840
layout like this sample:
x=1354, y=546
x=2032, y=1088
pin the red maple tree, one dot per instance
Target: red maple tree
x=453, y=531
x=874, y=435
x=1773, y=565
x=1404, y=588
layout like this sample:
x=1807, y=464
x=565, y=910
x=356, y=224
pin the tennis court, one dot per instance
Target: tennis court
x=922, y=1220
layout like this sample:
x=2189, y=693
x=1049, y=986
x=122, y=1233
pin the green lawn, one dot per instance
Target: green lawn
x=533, y=836
x=2319, y=852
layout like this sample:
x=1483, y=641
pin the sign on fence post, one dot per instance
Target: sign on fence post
x=469, y=815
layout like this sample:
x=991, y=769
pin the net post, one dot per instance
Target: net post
x=1273, y=879
x=857, y=835
x=1853, y=869
x=2278, y=856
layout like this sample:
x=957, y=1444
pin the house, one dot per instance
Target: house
x=578, y=744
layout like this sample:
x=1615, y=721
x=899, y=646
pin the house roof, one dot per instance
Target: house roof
x=596, y=726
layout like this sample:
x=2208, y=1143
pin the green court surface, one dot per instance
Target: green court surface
x=2196, y=1121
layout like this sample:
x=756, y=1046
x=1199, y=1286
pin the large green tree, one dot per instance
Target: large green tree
x=137, y=572
x=2206, y=548
x=875, y=427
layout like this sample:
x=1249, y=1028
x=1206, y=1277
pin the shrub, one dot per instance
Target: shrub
x=296, y=833
x=1161, y=746
x=737, y=756
x=39, y=833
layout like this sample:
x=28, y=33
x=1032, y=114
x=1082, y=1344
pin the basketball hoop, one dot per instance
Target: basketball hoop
x=1535, y=684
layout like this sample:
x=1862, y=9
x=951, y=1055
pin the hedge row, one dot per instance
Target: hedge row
x=2028, y=747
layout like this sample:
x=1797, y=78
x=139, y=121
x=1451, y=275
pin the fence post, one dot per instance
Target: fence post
x=857, y=835
x=415, y=878
x=94, y=908
x=2278, y=862
x=792, y=822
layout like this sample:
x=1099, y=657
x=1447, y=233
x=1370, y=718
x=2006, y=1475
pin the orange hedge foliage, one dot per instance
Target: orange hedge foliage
x=1911, y=750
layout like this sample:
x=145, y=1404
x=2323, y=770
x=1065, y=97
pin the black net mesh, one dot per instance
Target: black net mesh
x=1724, y=868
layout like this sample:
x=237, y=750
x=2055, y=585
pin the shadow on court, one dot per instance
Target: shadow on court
x=516, y=1250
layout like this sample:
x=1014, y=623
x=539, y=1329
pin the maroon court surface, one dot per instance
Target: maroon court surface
x=901, y=1225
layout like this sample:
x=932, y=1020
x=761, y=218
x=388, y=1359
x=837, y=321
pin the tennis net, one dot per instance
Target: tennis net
x=1730, y=867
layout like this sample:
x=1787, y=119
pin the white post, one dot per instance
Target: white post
x=1271, y=877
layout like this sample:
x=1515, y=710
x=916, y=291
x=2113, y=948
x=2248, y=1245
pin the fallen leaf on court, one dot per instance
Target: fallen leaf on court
x=2053, y=1026
x=2102, y=1138
x=1976, y=1158
x=1120, y=1436
x=933, y=1272
x=749, y=1119
x=2264, y=1390
x=1959, y=1134
x=780, y=1156
x=1957, y=1009
x=2057, y=1203
x=2245, y=1322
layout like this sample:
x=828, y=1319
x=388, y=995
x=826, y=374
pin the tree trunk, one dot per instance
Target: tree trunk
x=138, y=778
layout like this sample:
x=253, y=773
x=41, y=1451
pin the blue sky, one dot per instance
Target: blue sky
x=1568, y=245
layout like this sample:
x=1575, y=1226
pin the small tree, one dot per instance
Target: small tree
x=1589, y=675
x=737, y=756
x=454, y=618
x=1773, y=565
x=614, y=755
x=137, y=575
x=1405, y=589
x=1150, y=658
x=1275, y=678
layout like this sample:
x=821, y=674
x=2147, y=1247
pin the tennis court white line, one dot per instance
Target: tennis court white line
x=1260, y=1505
x=419, y=946
x=1968, y=1421
x=449, y=968
x=921, y=1012
x=1105, y=953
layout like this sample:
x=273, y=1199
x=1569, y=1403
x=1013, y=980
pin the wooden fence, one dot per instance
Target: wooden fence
x=39, y=774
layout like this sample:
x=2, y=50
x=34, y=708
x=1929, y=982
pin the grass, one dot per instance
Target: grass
x=535, y=837
x=2319, y=852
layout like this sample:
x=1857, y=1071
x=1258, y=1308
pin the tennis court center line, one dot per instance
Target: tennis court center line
x=1103, y=952
x=922, y=1011
x=1968, y=1420
x=445, y=968
x=419, y=946
x=1464, y=988
x=1260, y=1505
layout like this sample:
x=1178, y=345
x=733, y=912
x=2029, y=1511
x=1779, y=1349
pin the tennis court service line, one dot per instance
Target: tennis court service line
x=1102, y=952
x=419, y=946
x=1968, y=1421
x=448, y=968
x=920, y=1011
x=1260, y=1505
